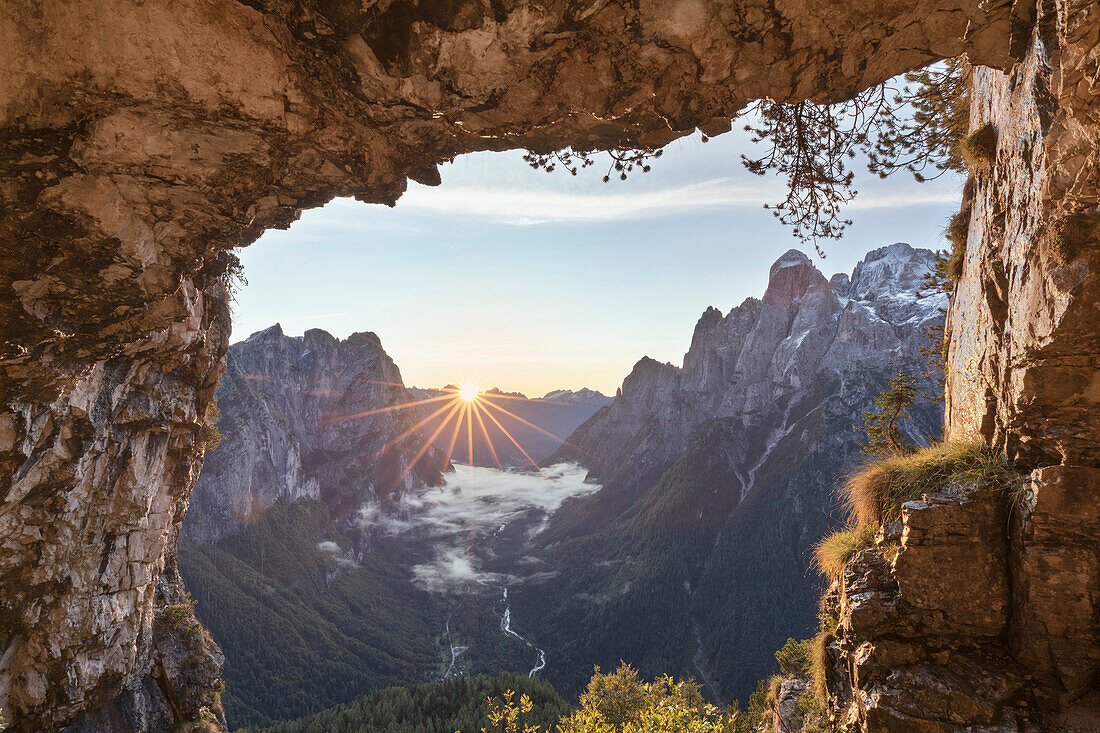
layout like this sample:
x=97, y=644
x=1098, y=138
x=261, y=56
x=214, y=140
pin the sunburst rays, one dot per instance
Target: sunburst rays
x=462, y=408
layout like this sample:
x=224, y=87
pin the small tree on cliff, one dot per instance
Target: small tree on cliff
x=883, y=423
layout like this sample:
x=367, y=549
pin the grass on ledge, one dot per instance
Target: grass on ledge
x=819, y=663
x=833, y=552
x=875, y=492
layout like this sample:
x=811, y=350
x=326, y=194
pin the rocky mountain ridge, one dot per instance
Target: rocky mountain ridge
x=308, y=416
x=514, y=431
x=751, y=363
x=582, y=396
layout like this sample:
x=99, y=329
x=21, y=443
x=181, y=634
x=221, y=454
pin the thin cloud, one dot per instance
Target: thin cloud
x=528, y=207
x=321, y=316
x=523, y=207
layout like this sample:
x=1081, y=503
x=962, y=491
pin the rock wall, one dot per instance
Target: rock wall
x=143, y=140
x=927, y=636
x=1024, y=362
x=979, y=609
x=89, y=521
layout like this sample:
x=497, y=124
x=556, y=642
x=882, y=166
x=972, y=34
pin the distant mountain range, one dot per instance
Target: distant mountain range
x=324, y=498
x=519, y=425
x=304, y=417
x=318, y=417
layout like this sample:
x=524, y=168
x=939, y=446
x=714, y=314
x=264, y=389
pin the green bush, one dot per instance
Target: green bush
x=794, y=657
x=177, y=613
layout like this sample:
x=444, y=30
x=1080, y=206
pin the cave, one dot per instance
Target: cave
x=144, y=141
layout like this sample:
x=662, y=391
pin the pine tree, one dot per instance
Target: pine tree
x=883, y=423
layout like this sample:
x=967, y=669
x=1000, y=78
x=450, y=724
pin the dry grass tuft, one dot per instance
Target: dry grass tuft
x=979, y=148
x=775, y=686
x=833, y=552
x=958, y=228
x=874, y=493
x=819, y=663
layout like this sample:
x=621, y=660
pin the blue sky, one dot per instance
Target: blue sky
x=530, y=281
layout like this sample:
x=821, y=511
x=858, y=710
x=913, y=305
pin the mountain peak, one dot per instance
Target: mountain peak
x=369, y=337
x=790, y=258
x=791, y=277
x=897, y=249
x=275, y=331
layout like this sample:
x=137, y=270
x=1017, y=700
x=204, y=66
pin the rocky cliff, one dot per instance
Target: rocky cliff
x=143, y=140
x=308, y=417
x=983, y=610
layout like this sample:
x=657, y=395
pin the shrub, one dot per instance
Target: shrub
x=1067, y=235
x=619, y=702
x=834, y=551
x=875, y=492
x=234, y=278
x=775, y=687
x=949, y=265
x=813, y=715
x=505, y=716
x=979, y=148
x=882, y=424
x=794, y=657
x=209, y=434
x=177, y=613
x=958, y=227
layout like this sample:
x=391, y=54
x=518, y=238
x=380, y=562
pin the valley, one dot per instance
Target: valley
x=671, y=528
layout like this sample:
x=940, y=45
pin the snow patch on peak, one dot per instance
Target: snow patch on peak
x=791, y=258
x=582, y=396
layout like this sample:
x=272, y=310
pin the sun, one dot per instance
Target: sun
x=468, y=391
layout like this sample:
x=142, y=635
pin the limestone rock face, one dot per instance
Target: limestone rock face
x=88, y=523
x=924, y=623
x=1024, y=360
x=308, y=417
x=1024, y=356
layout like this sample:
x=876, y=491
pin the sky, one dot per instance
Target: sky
x=532, y=281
